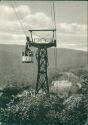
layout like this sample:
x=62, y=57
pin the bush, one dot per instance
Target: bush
x=21, y=106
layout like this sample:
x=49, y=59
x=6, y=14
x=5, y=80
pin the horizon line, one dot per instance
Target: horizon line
x=52, y=47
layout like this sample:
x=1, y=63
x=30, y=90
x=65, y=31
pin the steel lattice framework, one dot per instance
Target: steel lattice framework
x=42, y=58
x=42, y=79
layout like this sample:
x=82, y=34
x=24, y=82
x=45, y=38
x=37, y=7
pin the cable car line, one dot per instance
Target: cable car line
x=18, y=18
x=28, y=52
x=54, y=24
x=41, y=55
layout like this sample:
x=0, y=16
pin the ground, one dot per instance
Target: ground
x=67, y=104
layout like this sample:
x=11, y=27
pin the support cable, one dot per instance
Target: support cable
x=55, y=49
x=20, y=18
x=20, y=22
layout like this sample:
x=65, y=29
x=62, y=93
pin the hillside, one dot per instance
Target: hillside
x=12, y=70
x=67, y=104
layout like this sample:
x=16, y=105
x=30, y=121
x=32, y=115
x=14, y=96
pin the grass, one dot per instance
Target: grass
x=18, y=103
x=12, y=70
x=21, y=106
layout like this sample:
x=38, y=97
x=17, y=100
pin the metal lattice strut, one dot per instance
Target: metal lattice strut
x=42, y=79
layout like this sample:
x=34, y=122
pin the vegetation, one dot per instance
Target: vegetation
x=65, y=106
x=12, y=70
x=21, y=106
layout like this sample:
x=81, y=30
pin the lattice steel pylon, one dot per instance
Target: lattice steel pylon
x=42, y=79
x=42, y=58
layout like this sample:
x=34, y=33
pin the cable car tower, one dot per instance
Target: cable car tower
x=42, y=58
x=41, y=55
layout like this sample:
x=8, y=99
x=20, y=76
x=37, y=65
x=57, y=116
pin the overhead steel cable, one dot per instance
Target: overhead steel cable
x=21, y=19
x=18, y=18
x=55, y=49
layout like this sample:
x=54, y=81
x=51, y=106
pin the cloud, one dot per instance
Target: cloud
x=82, y=47
x=73, y=29
x=23, y=10
x=11, y=30
x=9, y=12
x=10, y=27
x=72, y=35
x=38, y=20
x=22, y=13
x=11, y=36
x=8, y=18
x=5, y=12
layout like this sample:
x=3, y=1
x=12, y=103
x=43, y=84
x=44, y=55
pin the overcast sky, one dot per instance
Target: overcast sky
x=71, y=21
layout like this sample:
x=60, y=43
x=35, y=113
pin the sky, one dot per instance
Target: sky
x=17, y=17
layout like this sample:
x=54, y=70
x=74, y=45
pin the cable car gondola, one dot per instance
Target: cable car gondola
x=27, y=58
x=27, y=55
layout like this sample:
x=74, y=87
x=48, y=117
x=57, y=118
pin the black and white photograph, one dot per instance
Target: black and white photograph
x=43, y=62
